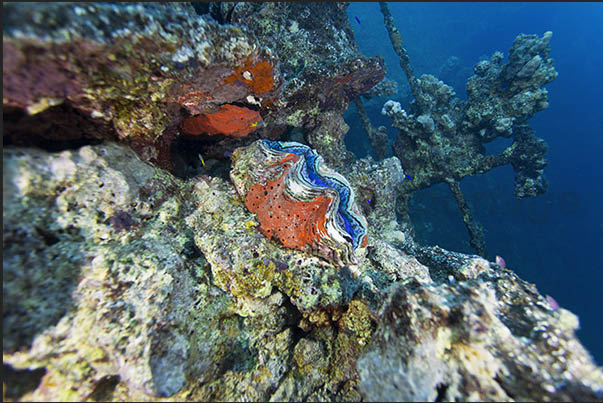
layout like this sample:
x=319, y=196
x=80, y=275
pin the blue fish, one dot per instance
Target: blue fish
x=357, y=19
x=407, y=177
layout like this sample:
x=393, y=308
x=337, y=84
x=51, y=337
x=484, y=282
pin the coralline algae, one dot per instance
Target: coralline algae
x=299, y=200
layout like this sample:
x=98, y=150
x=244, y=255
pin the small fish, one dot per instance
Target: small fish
x=407, y=177
x=501, y=262
x=254, y=124
x=201, y=159
x=357, y=19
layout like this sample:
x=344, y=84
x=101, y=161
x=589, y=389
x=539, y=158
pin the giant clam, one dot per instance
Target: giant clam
x=300, y=201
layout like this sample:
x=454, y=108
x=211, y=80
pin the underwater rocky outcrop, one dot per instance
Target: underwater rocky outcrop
x=130, y=72
x=125, y=282
x=138, y=73
x=122, y=282
x=321, y=63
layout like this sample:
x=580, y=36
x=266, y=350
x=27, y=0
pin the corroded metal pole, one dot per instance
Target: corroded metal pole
x=396, y=39
x=377, y=137
x=476, y=231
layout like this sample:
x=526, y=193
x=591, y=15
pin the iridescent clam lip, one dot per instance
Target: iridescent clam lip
x=271, y=175
x=310, y=177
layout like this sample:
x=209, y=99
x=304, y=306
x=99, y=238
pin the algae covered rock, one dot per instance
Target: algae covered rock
x=90, y=298
x=491, y=338
x=145, y=73
x=123, y=282
x=124, y=71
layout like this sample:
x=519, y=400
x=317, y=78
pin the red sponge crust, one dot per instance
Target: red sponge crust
x=229, y=120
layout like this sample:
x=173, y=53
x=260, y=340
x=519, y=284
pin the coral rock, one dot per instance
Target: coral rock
x=487, y=338
x=299, y=200
x=229, y=120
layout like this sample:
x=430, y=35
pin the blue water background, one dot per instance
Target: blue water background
x=555, y=240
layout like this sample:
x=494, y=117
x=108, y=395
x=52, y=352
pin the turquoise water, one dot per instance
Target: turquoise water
x=551, y=240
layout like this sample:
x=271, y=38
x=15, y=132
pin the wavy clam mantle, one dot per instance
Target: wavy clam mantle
x=299, y=200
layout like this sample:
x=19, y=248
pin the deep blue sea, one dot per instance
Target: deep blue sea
x=554, y=240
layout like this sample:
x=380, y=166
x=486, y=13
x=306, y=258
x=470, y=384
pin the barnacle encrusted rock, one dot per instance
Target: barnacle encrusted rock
x=490, y=338
x=124, y=283
x=299, y=200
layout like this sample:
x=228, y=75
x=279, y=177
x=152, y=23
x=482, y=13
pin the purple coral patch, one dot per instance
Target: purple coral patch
x=121, y=221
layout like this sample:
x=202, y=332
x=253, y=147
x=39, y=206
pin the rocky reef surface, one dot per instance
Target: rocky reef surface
x=126, y=279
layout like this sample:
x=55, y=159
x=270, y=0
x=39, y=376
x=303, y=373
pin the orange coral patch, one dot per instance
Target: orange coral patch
x=229, y=120
x=257, y=77
x=294, y=223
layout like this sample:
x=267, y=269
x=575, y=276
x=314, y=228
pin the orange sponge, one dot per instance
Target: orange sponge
x=229, y=120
